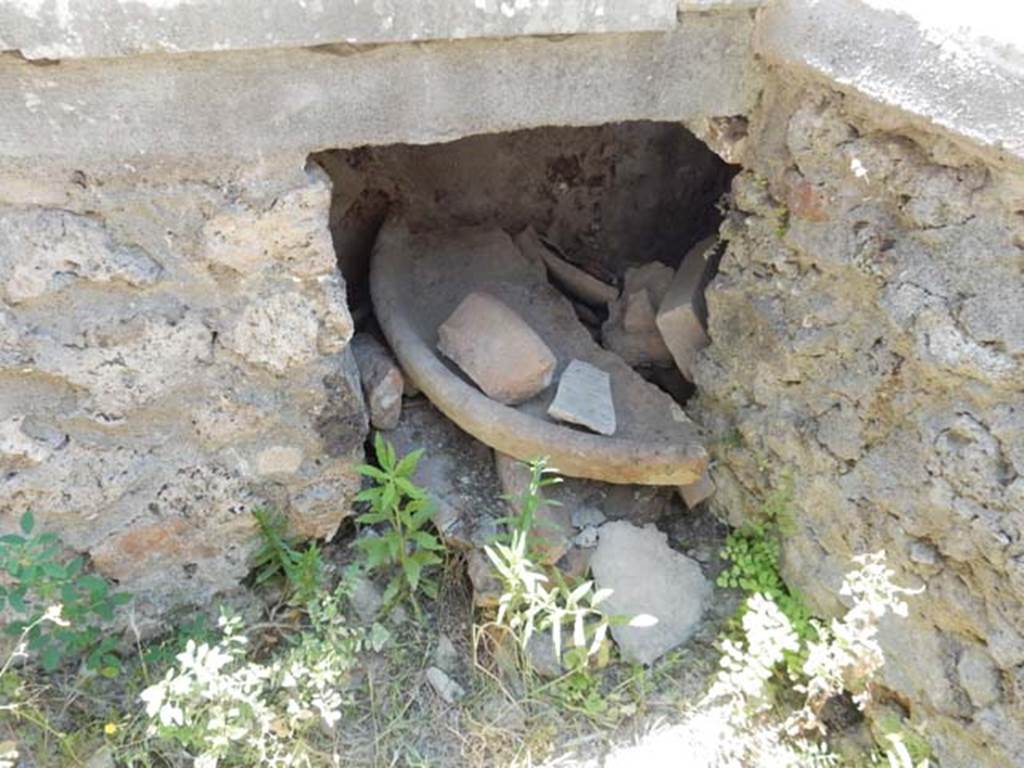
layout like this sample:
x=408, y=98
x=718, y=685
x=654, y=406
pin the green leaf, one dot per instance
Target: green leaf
x=371, y=518
x=428, y=587
x=95, y=585
x=28, y=522
x=372, y=495
x=376, y=550
x=425, y=557
x=408, y=464
x=412, y=570
x=16, y=597
x=423, y=511
x=50, y=658
x=410, y=489
x=54, y=570
x=426, y=540
x=391, y=591
x=371, y=471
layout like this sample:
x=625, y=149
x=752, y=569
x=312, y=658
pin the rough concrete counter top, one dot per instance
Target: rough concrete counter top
x=51, y=29
x=959, y=68
x=251, y=105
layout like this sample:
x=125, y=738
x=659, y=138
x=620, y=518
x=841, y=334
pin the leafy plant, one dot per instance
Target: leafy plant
x=530, y=500
x=530, y=602
x=754, y=552
x=843, y=655
x=37, y=580
x=527, y=605
x=279, y=555
x=226, y=709
x=405, y=542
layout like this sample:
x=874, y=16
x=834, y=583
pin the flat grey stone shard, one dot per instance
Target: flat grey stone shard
x=584, y=397
x=648, y=577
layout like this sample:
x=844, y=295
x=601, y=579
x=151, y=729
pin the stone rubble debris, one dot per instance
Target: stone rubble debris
x=486, y=587
x=587, y=538
x=382, y=380
x=416, y=280
x=446, y=655
x=631, y=329
x=575, y=563
x=670, y=587
x=497, y=349
x=584, y=397
x=682, y=313
x=449, y=690
x=587, y=516
x=698, y=492
x=540, y=652
x=579, y=284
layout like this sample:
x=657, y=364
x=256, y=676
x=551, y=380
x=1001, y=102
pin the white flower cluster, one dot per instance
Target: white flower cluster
x=746, y=668
x=228, y=710
x=845, y=656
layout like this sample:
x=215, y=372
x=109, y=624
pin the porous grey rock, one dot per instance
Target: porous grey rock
x=43, y=251
x=682, y=313
x=446, y=656
x=141, y=416
x=584, y=397
x=152, y=26
x=540, y=654
x=648, y=577
x=43, y=135
x=575, y=563
x=979, y=676
x=383, y=383
x=497, y=349
x=853, y=362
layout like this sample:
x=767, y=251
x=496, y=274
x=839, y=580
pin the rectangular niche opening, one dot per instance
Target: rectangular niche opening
x=608, y=198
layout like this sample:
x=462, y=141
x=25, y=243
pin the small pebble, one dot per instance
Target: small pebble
x=444, y=686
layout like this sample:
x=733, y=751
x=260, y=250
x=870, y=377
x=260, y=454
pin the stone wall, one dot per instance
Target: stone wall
x=173, y=326
x=172, y=355
x=868, y=347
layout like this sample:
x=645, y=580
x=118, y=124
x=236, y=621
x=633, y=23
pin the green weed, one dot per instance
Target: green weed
x=279, y=555
x=405, y=543
x=754, y=552
x=37, y=580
